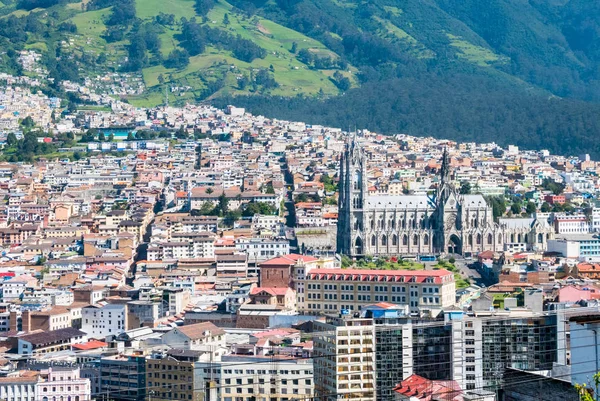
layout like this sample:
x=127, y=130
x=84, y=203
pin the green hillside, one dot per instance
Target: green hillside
x=503, y=70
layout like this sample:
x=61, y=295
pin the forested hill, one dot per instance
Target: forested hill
x=511, y=71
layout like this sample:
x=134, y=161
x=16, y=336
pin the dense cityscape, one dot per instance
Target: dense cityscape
x=195, y=253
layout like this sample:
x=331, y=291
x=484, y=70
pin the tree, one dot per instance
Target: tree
x=585, y=392
x=207, y=209
x=101, y=137
x=465, y=188
x=515, y=208
x=231, y=217
x=27, y=124
x=130, y=136
x=294, y=47
x=11, y=139
x=209, y=191
x=223, y=205
x=302, y=197
x=553, y=186
x=178, y=58
x=346, y=262
x=111, y=137
x=226, y=19
x=545, y=208
x=530, y=208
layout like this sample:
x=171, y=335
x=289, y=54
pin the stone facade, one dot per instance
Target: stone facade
x=443, y=223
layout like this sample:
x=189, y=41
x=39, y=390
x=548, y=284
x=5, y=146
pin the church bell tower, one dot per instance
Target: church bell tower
x=353, y=185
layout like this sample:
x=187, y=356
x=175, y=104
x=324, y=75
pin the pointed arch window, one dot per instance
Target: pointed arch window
x=471, y=240
x=357, y=180
x=415, y=239
x=499, y=238
x=478, y=239
x=405, y=239
x=373, y=240
x=394, y=240
x=426, y=239
x=490, y=239
x=383, y=240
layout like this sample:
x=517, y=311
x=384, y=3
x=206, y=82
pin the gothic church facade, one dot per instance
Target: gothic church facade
x=412, y=225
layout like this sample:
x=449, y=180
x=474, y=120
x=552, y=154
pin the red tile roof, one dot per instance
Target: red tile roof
x=417, y=276
x=588, y=267
x=420, y=388
x=271, y=290
x=93, y=344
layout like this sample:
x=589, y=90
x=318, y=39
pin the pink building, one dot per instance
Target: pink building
x=574, y=293
x=63, y=383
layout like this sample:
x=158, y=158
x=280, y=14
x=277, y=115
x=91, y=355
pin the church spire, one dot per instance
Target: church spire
x=445, y=170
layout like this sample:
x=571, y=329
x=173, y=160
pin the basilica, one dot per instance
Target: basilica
x=412, y=225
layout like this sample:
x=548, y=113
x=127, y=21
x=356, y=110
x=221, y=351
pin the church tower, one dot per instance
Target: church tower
x=353, y=185
x=448, y=221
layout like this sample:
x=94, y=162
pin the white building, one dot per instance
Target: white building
x=261, y=249
x=18, y=388
x=101, y=321
x=12, y=289
x=242, y=378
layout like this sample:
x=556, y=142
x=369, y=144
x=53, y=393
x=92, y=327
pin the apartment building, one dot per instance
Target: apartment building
x=239, y=377
x=184, y=246
x=331, y=290
x=344, y=358
x=102, y=321
x=261, y=249
x=21, y=388
x=124, y=377
x=173, y=375
x=63, y=383
x=486, y=344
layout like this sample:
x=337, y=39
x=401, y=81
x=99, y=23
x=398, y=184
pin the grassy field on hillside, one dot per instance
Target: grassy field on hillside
x=389, y=30
x=179, y=8
x=292, y=75
x=473, y=53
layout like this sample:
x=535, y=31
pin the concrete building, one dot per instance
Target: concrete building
x=344, y=359
x=101, y=321
x=332, y=290
x=174, y=375
x=21, y=388
x=63, y=383
x=585, y=349
x=123, y=377
x=261, y=249
x=238, y=377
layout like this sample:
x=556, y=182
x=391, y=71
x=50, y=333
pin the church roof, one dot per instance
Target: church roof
x=516, y=223
x=475, y=200
x=393, y=202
